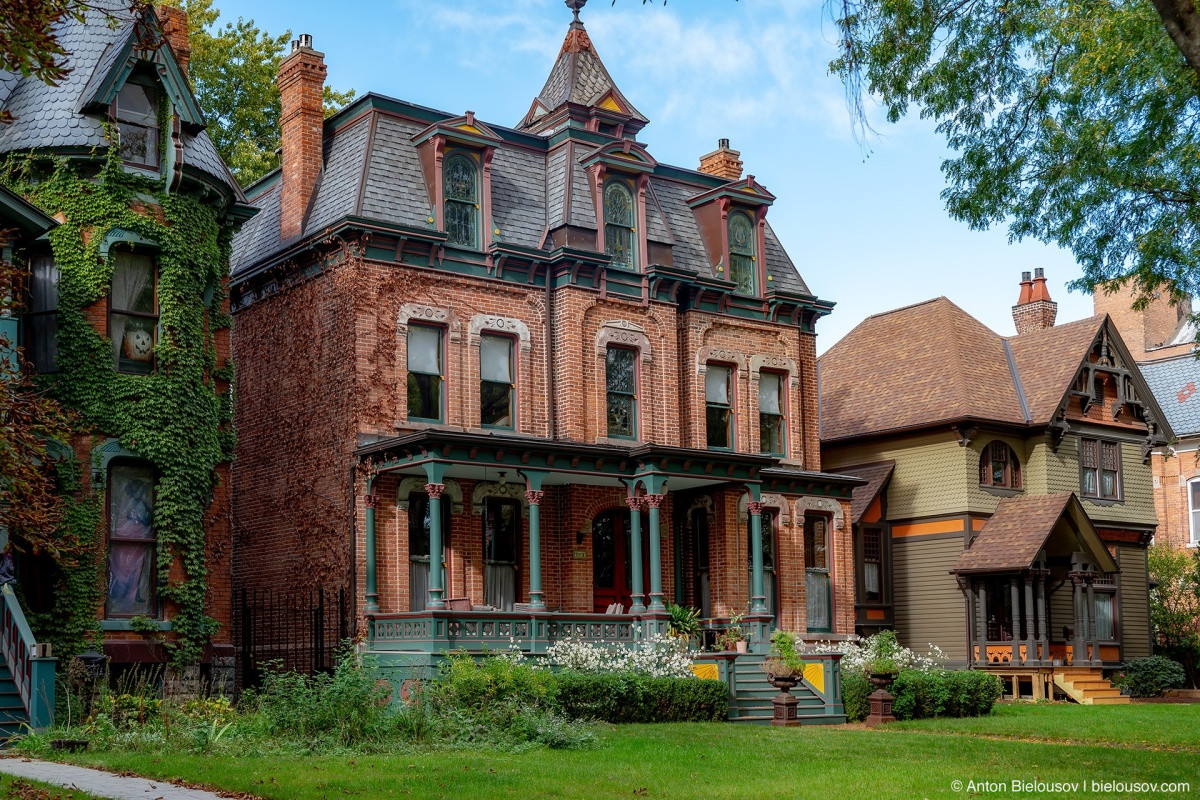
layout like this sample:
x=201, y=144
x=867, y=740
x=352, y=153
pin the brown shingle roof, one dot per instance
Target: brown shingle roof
x=876, y=476
x=1048, y=360
x=1013, y=536
x=914, y=366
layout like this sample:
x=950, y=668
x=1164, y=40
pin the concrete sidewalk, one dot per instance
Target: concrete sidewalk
x=98, y=783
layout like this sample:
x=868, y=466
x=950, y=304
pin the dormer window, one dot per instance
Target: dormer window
x=138, y=125
x=461, y=204
x=999, y=467
x=618, y=224
x=743, y=265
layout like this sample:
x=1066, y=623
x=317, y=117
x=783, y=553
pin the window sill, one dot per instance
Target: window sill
x=127, y=624
x=619, y=441
x=1103, y=502
x=1001, y=491
x=426, y=424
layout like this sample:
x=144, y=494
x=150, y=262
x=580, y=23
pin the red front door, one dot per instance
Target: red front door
x=611, y=570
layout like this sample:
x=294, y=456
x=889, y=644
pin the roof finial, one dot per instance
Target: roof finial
x=575, y=5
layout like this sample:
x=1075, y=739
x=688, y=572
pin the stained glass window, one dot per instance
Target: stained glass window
x=133, y=312
x=131, y=541
x=770, y=412
x=424, y=372
x=137, y=124
x=621, y=382
x=42, y=318
x=496, y=381
x=460, y=184
x=718, y=403
x=742, y=268
x=618, y=224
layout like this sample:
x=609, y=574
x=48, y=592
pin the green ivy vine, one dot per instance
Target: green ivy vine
x=173, y=418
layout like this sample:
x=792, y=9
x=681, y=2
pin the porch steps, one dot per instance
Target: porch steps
x=751, y=703
x=13, y=716
x=1087, y=686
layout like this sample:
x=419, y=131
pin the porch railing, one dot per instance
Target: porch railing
x=437, y=630
x=30, y=663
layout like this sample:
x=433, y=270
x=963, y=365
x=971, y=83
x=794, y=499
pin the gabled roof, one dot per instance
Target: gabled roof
x=933, y=363
x=876, y=476
x=1013, y=536
x=71, y=115
x=17, y=212
x=579, y=77
x=1175, y=384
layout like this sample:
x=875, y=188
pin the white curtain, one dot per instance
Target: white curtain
x=716, y=384
x=768, y=393
x=424, y=350
x=495, y=359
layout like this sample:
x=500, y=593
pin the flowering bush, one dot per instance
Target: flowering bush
x=657, y=657
x=859, y=656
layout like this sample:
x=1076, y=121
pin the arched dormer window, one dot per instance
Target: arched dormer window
x=743, y=267
x=618, y=224
x=461, y=204
x=999, y=467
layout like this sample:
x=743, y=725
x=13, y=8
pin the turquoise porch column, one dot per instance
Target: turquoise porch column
x=436, y=581
x=534, y=495
x=656, y=599
x=636, y=504
x=758, y=598
x=372, y=586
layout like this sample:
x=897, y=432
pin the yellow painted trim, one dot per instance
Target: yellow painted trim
x=925, y=528
x=706, y=672
x=815, y=675
x=611, y=104
x=470, y=128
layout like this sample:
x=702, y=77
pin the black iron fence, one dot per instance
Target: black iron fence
x=299, y=631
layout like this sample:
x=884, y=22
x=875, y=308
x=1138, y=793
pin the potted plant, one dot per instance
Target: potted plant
x=784, y=669
x=684, y=622
x=882, y=671
x=733, y=637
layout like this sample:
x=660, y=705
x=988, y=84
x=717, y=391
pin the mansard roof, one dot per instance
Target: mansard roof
x=579, y=77
x=936, y=364
x=70, y=117
x=372, y=172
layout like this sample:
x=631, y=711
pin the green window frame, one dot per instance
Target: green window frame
x=133, y=311
x=772, y=432
x=718, y=406
x=460, y=203
x=497, y=382
x=136, y=110
x=41, y=320
x=425, y=373
x=621, y=387
x=620, y=245
x=743, y=261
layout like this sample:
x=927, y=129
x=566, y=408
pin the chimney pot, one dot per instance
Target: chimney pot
x=1034, y=310
x=722, y=144
x=1026, y=277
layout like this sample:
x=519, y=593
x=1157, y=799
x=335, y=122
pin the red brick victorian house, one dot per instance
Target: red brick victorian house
x=502, y=381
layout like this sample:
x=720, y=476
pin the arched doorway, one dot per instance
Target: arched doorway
x=611, y=562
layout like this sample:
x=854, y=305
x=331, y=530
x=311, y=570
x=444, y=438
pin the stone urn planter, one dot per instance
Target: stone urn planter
x=881, y=699
x=785, y=707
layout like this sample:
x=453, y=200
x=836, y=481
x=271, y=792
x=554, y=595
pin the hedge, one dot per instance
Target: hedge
x=944, y=693
x=1148, y=677
x=855, y=690
x=621, y=698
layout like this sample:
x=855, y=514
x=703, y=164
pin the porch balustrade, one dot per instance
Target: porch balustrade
x=531, y=631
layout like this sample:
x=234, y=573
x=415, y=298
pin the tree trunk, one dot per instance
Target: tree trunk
x=1183, y=25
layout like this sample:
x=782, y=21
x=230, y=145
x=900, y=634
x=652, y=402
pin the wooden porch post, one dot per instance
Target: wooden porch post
x=1080, y=651
x=656, y=600
x=636, y=504
x=1014, y=622
x=1031, y=653
x=981, y=589
x=1092, y=639
x=1043, y=630
x=967, y=587
x=534, y=496
x=372, y=585
x=436, y=583
x=758, y=598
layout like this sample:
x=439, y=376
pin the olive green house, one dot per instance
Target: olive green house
x=1008, y=500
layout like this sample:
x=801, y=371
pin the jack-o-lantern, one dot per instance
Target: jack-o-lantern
x=138, y=343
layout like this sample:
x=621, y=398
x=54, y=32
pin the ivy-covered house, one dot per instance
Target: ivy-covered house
x=127, y=324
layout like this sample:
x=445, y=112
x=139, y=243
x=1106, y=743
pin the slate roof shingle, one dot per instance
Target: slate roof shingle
x=1175, y=384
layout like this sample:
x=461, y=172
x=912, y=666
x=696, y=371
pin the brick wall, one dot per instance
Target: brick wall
x=1171, y=476
x=1143, y=331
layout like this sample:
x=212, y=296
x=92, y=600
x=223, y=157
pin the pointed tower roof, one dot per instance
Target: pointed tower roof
x=580, y=79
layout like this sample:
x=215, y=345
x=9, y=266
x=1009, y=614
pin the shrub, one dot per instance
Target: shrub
x=922, y=694
x=658, y=657
x=1148, y=677
x=862, y=655
x=855, y=690
x=628, y=697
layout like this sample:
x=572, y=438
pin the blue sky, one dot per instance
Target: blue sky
x=868, y=232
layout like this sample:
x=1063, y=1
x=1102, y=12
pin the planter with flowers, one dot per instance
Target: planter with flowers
x=784, y=669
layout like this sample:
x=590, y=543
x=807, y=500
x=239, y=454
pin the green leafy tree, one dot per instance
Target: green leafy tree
x=233, y=68
x=1075, y=121
x=1175, y=604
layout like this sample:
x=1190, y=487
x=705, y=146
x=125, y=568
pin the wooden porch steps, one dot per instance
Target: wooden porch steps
x=1087, y=686
x=13, y=716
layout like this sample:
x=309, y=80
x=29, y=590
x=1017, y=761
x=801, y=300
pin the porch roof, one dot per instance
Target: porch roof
x=1020, y=529
x=875, y=476
x=481, y=455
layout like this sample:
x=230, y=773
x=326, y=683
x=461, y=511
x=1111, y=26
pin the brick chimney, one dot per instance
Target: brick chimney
x=722, y=162
x=1145, y=331
x=301, y=80
x=1034, y=310
x=174, y=24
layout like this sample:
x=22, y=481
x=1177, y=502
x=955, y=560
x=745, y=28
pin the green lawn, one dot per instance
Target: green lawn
x=20, y=789
x=710, y=761
x=1138, y=725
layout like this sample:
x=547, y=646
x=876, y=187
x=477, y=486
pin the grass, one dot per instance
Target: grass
x=721, y=760
x=1175, y=726
x=13, y=788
